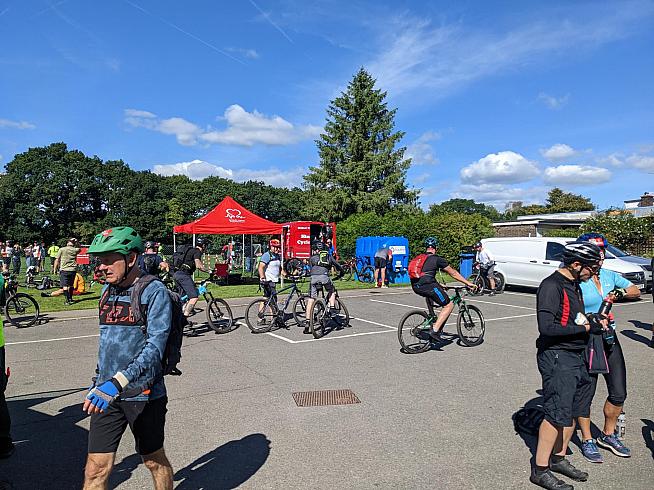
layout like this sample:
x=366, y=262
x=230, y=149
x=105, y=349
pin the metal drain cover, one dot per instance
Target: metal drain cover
x=325, y=397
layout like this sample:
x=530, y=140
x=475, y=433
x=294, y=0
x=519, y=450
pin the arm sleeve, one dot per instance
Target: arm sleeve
x=548, y=304
x=335, y=264
x=159, y=311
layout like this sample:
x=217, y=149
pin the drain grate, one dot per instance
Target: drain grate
x=325, y=397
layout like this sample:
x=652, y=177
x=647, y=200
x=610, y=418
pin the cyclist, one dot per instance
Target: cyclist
x=66, y=264
x=382, y=257
x=486, y=263
x=321, y=262
x=6, y=443
x=270, y=269
x=129, y=388
x=600, y=285
x=150, y=262
x=428, y=287
x=191, y=261
x=564, y=329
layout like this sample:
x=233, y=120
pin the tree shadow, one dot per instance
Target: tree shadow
x=635, y=336
x=49, y=448
x=648, y=435
x=227, y=466
x=643, y=325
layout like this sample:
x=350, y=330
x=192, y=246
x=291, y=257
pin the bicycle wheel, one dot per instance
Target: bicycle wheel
x=22, y=310
x=317, y=318
x=219, y=316
x=413, y=332
x=470, y=325
x=500, y=283
x=367, y=274
x=300, y=309
x=293, y=267
x=340, y=314
x=478, y=280
x=260, y=316
x=347, y=273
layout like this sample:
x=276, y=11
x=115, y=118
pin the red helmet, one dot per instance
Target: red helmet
x=274, y=243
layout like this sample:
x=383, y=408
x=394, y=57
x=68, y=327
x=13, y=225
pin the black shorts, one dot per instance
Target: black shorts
x=185, y=281
x=67, y=278
x=269, y=289
x=616, y=378
x=433, y=291
x=146, y=420
x=380, y=263
x=315, y=286
x=567, y=386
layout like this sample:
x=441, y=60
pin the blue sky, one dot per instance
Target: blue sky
x=500, y=101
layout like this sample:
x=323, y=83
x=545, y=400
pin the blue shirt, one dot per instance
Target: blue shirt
x=609, y=281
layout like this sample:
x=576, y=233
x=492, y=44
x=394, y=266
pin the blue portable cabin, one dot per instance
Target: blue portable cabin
x=397, y=269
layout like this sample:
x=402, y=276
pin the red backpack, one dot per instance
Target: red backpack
x=415, y=266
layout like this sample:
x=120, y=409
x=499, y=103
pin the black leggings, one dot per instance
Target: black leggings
x=616, y=378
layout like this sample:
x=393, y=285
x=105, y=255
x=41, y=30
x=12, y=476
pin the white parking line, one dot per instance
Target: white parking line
x=373, y=323
x=53, y=340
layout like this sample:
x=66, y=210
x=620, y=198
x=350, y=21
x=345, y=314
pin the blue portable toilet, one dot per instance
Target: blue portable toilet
x=397, y=269
x=467, y=257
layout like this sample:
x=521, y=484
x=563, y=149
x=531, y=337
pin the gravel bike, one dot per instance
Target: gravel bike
x=413, y=330
x=264, y=314
x=21, y=309
x=323, y=318
x=480, y=279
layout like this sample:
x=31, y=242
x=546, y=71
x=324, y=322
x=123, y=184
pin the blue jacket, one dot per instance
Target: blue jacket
x=133, y=349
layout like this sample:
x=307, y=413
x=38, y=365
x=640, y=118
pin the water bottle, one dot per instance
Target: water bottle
x=605, y=307
x=621, y=426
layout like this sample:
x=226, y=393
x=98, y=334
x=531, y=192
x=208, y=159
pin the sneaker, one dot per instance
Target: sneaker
x=435, y=336
x=547, y=480
x=261, y=321
x=384, y=286
x=45, y=295
x=565, y=468
x=590, y=451
x=306, y=330
x=492, y=293
x=613, y=444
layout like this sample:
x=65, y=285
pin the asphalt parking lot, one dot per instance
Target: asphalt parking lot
x=441, y=419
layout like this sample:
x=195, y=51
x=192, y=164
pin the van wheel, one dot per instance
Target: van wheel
x=500, y=282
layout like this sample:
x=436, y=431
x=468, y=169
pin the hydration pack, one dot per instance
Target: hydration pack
x=323, y=259
x=527, y=420
x=179, y=258
x=150, y=264
x=415, y=266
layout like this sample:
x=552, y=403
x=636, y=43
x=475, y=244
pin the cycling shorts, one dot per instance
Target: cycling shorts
x=380, y=263
x=616, y=378
x=316, y=281
x=567, y=386
x=185, y=281
x=432, y=290
x=146, y=420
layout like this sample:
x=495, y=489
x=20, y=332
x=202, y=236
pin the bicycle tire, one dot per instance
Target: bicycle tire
x=343, y=316
x=300, y=309
x=471, y=330
x=412, y=335
x=18, y=308
x=260, y=320
x=478, y=280
x=500, y=282
x=347, y=273
x=367, y=274
x=317, y=318
x=293, y=267
x=219, y=316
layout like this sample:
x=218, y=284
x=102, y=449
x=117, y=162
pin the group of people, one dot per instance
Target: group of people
x=36, y=255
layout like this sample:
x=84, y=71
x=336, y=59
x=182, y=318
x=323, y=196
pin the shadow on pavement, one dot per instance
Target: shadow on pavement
x=227, y=466
x=643, y=325
x=529, y=437
x=49, y=448
x=635, y=336
x=648, y=435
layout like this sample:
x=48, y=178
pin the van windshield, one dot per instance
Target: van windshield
x=616, y=251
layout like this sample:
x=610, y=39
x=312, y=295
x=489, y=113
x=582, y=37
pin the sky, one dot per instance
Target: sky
x=499, y=101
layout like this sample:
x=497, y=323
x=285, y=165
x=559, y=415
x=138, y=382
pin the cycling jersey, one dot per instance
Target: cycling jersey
x=273, y=266
x=609, y=281
x=430, y=267
x=323, y=270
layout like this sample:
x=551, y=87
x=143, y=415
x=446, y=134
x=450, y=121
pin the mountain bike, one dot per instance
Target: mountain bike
x=413, y=330
x=480, y=279
x=264, y=314
x=219, y=314
x=323, y=318
x=359, y=266
x=21, y=309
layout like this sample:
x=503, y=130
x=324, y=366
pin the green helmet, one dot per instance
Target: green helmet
x=121, y=239
x=431, y=242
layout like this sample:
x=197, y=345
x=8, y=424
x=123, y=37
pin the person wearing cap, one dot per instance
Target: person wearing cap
x=191, y=262
x=129, y=388
x=66, y=264
x=567, y=387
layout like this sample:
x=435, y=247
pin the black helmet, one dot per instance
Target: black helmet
x=431, y=242
x=149, y=244
x=200, y=242
x=318, y=245
x=584, y=252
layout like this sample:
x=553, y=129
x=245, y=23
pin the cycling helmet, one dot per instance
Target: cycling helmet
x=200, y=242
x=477, y=245
x=596, y=238
x=318, y=245
x=121, y=239
x=149, y=244
x=584, y=252
x=431, y=242
x=274, y=243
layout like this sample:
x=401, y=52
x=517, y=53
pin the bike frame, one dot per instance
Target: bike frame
x=273, y=297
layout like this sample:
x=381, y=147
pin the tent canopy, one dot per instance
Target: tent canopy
x=230, y=218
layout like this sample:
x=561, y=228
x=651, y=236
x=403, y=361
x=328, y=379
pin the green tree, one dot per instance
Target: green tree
x=466, y=206
x=360, y=168
x=565, y=202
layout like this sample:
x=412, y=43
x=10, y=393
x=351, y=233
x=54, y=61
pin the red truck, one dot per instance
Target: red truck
x=298, y=236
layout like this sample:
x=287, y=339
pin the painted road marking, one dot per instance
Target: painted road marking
x=53, y=340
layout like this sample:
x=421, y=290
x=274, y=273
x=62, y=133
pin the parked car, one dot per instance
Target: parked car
x=646, y=264
x=527, y=261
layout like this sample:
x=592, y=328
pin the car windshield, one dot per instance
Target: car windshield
x=616, y=251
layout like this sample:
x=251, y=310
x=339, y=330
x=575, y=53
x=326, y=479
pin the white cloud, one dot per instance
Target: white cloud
x=641, y=162
x=421, y=152
x=420, y=178
x=614, y=159
x=7, y=123
x=554, y=103
x=499, y=194
x=576, y=175
x=199, y=169
x=558, y=153
x=249, y=53
x=243, y=128
x=504, y=167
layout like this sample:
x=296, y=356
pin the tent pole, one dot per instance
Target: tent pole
x=174, y=244
x=194, y=247
x=281, y=260
x=243, y=256
x=250, y=259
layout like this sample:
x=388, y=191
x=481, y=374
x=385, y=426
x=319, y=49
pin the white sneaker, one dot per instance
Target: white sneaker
x=384, y=286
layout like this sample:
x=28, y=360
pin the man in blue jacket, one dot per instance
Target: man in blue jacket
x=129, y=389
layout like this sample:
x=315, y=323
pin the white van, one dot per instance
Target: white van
x=527, y=261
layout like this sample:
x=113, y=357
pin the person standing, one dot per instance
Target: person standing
x=66, y=264
x=129, y=389
x=270, y=269
x=53, y=250
x=3, y=253
x=15, y=258
x=382, y=257
x=564, y=332
x=6, y=444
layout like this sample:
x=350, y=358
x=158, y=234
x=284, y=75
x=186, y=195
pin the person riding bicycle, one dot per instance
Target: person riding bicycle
x=191, y=260
x=270, y=268
x=428, y=287
x=150, y=262
x=486, y=263
x=321, y=262
x=129, y=388
x=599, y=286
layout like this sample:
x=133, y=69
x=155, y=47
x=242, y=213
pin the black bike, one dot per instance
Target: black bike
x=323, y=317
x=21, y=309
x=264, y=314
x=479, y=278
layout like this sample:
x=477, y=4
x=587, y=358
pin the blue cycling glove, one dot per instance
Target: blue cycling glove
x=101, y=396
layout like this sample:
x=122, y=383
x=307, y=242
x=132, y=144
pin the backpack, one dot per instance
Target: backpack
x=179, y=257
x=415, y=266
x=150, y=264
x=527, y=420
x=323, y=259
